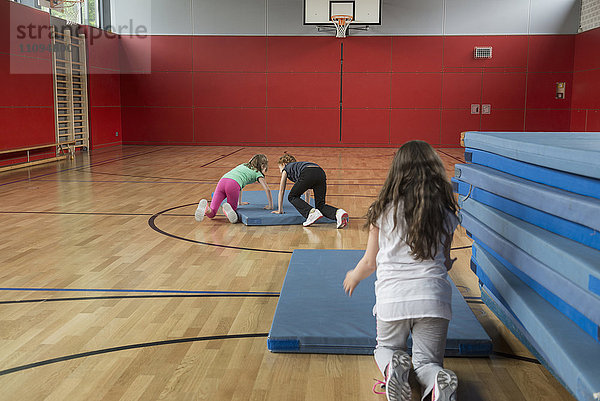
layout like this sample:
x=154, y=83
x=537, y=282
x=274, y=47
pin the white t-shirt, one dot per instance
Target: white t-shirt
x=407, y=288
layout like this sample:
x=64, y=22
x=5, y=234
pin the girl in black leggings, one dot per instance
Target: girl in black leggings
x=307, y=175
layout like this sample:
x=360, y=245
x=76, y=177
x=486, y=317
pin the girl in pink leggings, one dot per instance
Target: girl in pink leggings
x=230, y=187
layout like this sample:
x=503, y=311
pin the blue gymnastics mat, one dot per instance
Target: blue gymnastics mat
x=574, y=231
x=254, y=214
x=573, y=152
x=569, y=353
x=314, y=315
x=580, y=305
x=568, y=206
x=558, y=179
x=577, y=262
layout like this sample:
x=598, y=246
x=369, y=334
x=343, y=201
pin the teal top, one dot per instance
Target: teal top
x=244, y=175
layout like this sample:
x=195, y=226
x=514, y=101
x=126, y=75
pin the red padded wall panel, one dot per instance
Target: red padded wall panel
x=541, y=90
x=102, y=48
x=456, y=121
x=551, y=53
x=303, y=54
x=303, y=126
x=104, y=88
x=504, y=90
x=548, y=120
x=578, y=120
x=171, y=53
x=157, y=124
x=239, y=126
x=503, y=120
x=168, y=89
x=19, y=65
x=215, y=89
x=368, y=126
x=20, y=89
x=586, y=54
x=366, y=90
x=135, y=54
x=24, y=126
x=407, y=125
x=417, y=90
x=593, y=121
x=105, y=122
x=230, y=53
x=417, y=54
x=29, y=32
x=509, y=52
x=586, y=89
x=460, y=90
x=367, y=54
x=5, y=30
x=303, y=89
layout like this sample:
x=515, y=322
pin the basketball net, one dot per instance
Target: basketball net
x=70, y=10
x=341, y=23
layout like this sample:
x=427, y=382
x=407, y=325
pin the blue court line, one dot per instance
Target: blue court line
x=141, y=291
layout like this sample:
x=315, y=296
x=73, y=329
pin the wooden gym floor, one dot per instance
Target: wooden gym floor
x=75, y=232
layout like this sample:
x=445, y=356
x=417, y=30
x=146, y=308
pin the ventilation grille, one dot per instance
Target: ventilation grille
x=590, y=15
x=482, y=52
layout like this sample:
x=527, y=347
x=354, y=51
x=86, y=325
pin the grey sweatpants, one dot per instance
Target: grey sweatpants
x=428, y=345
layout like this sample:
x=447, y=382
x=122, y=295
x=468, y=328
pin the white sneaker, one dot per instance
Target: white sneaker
x=313, y=216
x=201, y=210
x=396, y=380
x=342, y=218
x=230, y=213
x=445, y=386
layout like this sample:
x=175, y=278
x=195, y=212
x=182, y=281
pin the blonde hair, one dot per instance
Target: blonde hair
x=417, y=178
x=286, y=158
x=258, y=163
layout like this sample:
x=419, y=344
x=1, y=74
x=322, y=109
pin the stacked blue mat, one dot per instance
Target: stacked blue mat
x=531, y=203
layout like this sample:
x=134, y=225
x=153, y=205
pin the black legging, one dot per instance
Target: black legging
x=311, y=178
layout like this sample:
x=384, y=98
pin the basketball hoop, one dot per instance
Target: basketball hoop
x=70, y=9
x=341, y=23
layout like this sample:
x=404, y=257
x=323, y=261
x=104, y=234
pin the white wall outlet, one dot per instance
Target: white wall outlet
x=474, y=109
x=486, y=109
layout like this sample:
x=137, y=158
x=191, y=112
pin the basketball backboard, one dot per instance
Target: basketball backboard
x=363, y=12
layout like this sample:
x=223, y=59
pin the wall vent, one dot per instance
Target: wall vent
x=483, y=52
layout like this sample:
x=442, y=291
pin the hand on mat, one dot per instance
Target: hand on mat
x=244, y=203
x=277, y=211
x=350, y=283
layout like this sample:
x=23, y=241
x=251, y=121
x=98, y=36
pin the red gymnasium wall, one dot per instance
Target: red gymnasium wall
x=104, y=88
x=286, y=90
x=585, y=114
x=26, y=104
x=27, y=101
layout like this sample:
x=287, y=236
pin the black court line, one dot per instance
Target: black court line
x=128, y=347
x=517, y=357
x=222, y=157
x=152, y=224
x=451, y=156
x=469, y=301
x=461, y=247
x=44, y=300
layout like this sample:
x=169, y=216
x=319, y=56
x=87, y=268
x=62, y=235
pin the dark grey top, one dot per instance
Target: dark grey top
x=294, y=169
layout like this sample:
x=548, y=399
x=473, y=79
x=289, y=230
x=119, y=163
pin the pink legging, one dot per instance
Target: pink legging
x=226, y=188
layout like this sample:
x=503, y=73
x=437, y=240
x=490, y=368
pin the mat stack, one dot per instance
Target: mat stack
x=531, y=203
